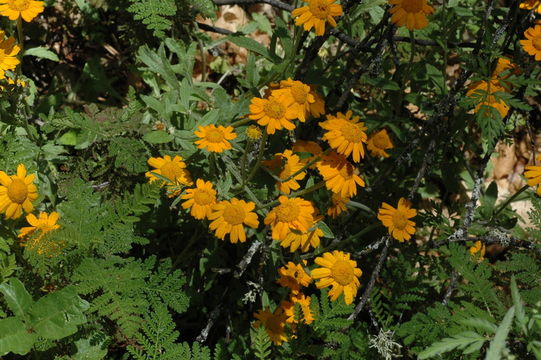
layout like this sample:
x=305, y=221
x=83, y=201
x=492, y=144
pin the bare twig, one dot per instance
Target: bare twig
x=247, y=259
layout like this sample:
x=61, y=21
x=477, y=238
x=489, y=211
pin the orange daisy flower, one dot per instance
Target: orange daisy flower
x=230, y=217
x=200, y=199
x=530, y=4
x=340, y=176
x=340, y=272
x=8, y=54
x=275, y=113
x=274, y=324
x=378, y=142
x=410, y=13
x=173, y=169
x=27, y=9
x=293, y=277
x=478, y=251
x=17, y=192
x=299, y=95
x=316, y=14
x=533, y=174
x=309, y=147
x=318, y=107
x=312, y=238
x=483, y=91
x=291, y=214
x=345, y=134
x=291, y=166
x=397, y=220
x=215, y=139
x=338, y=205
x=532, y=43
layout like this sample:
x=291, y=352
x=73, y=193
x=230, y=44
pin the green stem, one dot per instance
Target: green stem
x=212, y=163
x=259, y=157
x=507, y=202
x=20, y=35
x=241, y=122
x=247, y=149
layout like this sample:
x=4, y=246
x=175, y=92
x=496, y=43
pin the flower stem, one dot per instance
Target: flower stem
x=247, y=149
x=240, y=122
x=259, y=157
x=20, y=36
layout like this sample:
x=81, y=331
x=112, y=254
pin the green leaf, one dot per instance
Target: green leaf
x=69, y=138
x=481, y=324
x=16, y=296
x=498, y=343
x=58, y=314
x=327, y=232
x=41, y=52
x=158, y=137
x=519, y=308
x=14, y=337
x=252, y=45
x=460, y=341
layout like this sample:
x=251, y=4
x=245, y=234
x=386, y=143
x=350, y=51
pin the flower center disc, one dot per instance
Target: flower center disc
x=342, y=272
x=274, y=109
x=19, y=5
x=412, y=6
x=399, y=220
x=299, y=94
x=171, y=170
x=320, y=9
x=202, y=197
x=17, y=191
x=234, y=214
x=351, y=132
x=287, y=212
x=380, y=141
x=536, y=42
x=215, y=136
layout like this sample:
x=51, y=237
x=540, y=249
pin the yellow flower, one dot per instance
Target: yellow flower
x=291, y=166
x=483, y=91
x=338, y=271
x=318, y=107
x=8, y=54
x=27, y=9
x=274, y=324
x=397, y=220
x=411, y=13
x=11, y=83
x=505, y=65
x=230, y=217
x=478, y=250
x=299, y=95
x=291, y=214
x=533, y=174
x=530, y=4
x=172, y=169
x=275, y=113
x=378, y=142
x=32, y=236
x=215, y=139
x=17, y=193
x=338, y=205
x=293, y=276
x=43, y=224
x=532, y=44
x=295, y=240
x=310, y=147
x=288, y=308
x=345, y=134
x=200, y=199
x=253, y=132
x=340, y=176
x=316, y=14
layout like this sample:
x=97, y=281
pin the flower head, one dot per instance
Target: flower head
x=530, y=4
x=338, y=205
x=200, y=199
x=297, y=240
x=253, y=132
x=410, y=13
x=397, y=220
x=17, y=192
x=345, y=134
x=293, y=277
x=230, y=216
x=378, y=142
x=532, y=43
x=478, y=250
x=483, y=91
x=291, y=214
x=291, y=164
x=308, y=147
x=8, y=54
x=215, y=139
x=316, y=14
x=173, y=169
x=32, y=236
x=288, y=308
x=298, y=95
x=274, y=324
x=275, y=113
x=340, y=176
x=340, y=272
x=27, y=9
x=533, y=174
x=318, y=107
